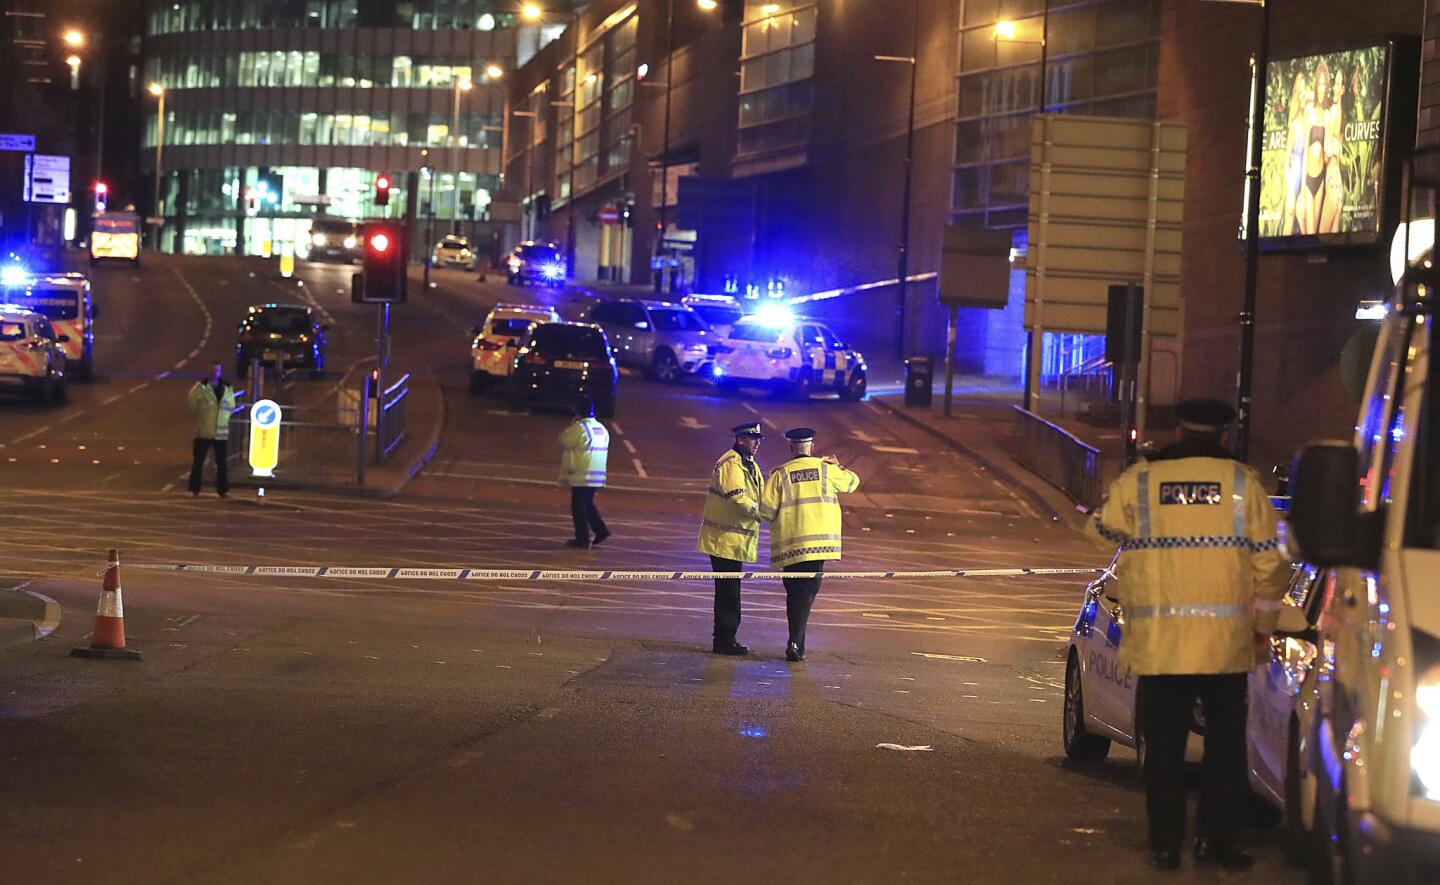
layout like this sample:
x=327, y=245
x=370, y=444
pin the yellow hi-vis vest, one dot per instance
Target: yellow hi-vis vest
x=1200, y=569
x=730, y=527
x=587, y=446
x=801, y=501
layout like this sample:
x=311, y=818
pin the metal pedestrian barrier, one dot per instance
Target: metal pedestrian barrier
x=1053, y=454
x=390, y=429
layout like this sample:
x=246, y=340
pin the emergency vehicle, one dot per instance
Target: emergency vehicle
x=63, y=299
x=116, y=236
x=797, y=356
x=1367, y=510
x=495, y=341
x=31, y=358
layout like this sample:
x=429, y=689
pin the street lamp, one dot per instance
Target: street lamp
x=461, y=85
x=159, y=92
x=1007, y=31
x=73, y=61
x=528, y=232
x=74, y=38
x=903, y=270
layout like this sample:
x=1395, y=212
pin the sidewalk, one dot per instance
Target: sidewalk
x=981, y=426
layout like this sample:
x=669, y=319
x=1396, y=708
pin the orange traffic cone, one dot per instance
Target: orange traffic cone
x=108, y=640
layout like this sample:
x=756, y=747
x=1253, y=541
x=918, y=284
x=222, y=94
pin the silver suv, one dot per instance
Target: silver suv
x=667, y=340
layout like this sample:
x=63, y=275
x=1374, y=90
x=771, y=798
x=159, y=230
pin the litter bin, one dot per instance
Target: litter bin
x=919, y=380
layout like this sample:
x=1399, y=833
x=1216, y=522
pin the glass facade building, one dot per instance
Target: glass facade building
x=280, y=110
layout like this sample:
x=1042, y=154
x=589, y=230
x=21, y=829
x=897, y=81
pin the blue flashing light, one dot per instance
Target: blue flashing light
x=774, y=315
x=14, y=275
x=752, y=731
x=717, y=371
x=552, y=271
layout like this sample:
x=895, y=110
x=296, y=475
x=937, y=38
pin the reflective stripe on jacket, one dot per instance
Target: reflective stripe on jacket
x=211, y=414
x=586, y=445
x=1200, y=570
x=730, y=527
x=801, y=501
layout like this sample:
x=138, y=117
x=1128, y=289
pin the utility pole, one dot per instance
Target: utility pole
x=1245, y=377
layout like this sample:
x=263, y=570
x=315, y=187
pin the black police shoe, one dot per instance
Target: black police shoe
x=1165, y=859
x=1222, y=854
x=730, y=648
x=600, y=539
x=576, y=542
x=793, y=653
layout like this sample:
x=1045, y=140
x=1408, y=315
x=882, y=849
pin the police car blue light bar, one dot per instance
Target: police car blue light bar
x=14, y=275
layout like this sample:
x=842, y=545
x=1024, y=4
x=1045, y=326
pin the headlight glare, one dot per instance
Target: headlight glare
x=1425, y=754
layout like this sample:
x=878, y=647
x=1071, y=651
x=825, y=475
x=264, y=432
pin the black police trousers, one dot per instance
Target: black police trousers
x=1167, y=705
x=198, y=451
x=585, y=515
x=727, y=600
x=799, y=597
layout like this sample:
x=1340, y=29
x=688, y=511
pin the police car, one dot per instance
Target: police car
x=64, y=299
x=773, y=349
x=495, y=341
x=31, y=356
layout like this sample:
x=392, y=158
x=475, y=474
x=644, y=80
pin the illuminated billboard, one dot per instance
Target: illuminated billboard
x=1323, y=165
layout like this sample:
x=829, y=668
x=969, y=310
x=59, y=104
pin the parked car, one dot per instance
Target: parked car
x=453, y=251
x=495, y=341
x=539, y=263
x=666, y=339
x=32, y=357
x=276, y=334
x=335, y=239
x=557, y=362
x=787, y=355
x=722, y=312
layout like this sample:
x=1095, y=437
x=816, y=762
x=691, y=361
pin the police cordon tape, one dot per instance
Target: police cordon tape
x=399, y=573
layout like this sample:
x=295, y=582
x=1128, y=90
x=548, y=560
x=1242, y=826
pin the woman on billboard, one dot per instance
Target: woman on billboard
x=1294, y=154
x=1323, y=190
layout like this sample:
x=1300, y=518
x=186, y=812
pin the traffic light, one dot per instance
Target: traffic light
x=382, y=280
x=382, y=190
x=102, y=195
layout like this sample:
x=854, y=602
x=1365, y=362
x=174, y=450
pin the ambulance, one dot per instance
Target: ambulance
x=116, y=236
x=63, y=299
x=801, y=357
x=31, y=358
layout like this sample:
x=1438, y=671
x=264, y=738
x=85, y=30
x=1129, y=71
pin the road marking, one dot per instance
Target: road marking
x=32, y=433
x=138, y=387
x=616, y=426
x=751, y=409
x=167, y=487
x=639, y=468
x=770, y=424
x=895, y=450
x=71, y=417
x=690, y=423
x=629, y=446
x=939, y=657
x=113, y=399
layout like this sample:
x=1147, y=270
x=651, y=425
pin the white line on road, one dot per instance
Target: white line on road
x=138, y=387
x=163, y=375
x=895, y=450
x=640, y=468
x=32, y=433
x=616, y=426
x=690, y=423
x=629, y=446
x=751, y=409
x=167, y=487
x=770, y=424
x=113, y=399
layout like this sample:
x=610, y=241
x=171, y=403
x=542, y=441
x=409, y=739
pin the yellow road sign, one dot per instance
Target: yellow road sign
x=264, y=437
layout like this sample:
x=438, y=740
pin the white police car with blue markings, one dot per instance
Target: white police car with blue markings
x=798, y=356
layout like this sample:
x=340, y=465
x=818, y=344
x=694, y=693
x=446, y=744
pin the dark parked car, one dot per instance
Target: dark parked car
x=557, y=362
x=539, y=263
x=276, y=333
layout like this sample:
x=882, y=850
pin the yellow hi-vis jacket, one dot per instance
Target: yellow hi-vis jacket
x=801, y=502
x=1200, y=570
x=587, y=446
x=730, y=527
x=211, y=413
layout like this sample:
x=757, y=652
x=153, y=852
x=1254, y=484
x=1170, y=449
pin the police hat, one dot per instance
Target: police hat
x=749, y=428
x=1204, y=415
x=800, y=434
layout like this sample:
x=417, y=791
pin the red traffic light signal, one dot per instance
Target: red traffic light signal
x=382, y=190
x=382, y=279
x=101, y=188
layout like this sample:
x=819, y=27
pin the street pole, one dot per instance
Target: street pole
x=159, y=167
x=660, y=228
x=1245, y=376
x=455, y=159
x=904, y=270
x=1035, y=349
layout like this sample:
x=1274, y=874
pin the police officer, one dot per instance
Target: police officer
x=730, y=529
x=1200, y=579
x=801, y=501
x=211, y=402
x=586, y=445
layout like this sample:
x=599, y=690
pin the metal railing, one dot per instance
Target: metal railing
x=1057, y=457
x=390, y=428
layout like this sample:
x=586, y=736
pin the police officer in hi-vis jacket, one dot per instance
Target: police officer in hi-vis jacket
x=801, y=501
x=730, y=529
x=1200, y=577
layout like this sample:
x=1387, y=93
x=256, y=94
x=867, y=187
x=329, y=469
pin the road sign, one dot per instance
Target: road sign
x=47, y=179
x=264, y=437
x=287, y=264
x=10, y=141
x=975, y=267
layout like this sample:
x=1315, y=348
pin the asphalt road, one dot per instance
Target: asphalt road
x=288, y=729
